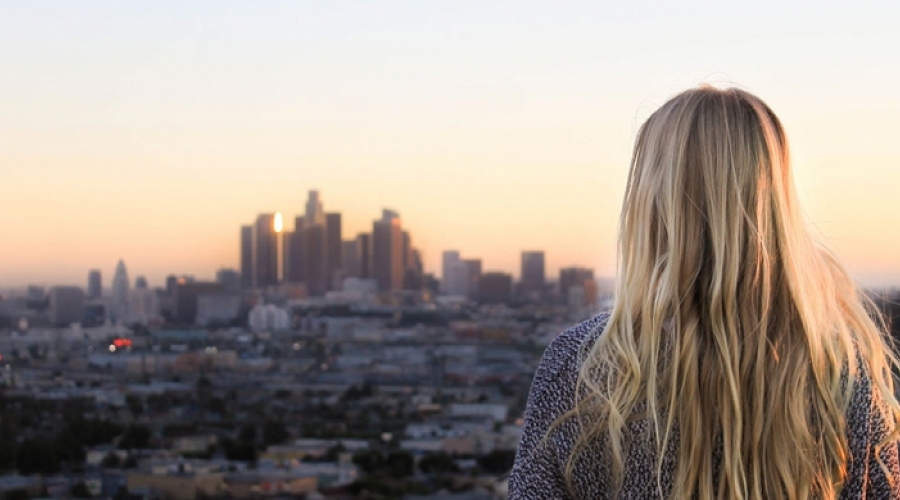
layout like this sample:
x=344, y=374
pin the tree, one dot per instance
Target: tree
x=333, y=453
x=355, y=393
x=370, y=461
x=94, y=432
x=69, y=447
x=275, y=432
x=136, y=436
x=18, y=494
x=400, y=464
x=135, y=404
x=248, y=433
x=111, y=461
x=239, y=450
x=80, y=490
x=37, y=456
x=437, y=463
x=497, y=461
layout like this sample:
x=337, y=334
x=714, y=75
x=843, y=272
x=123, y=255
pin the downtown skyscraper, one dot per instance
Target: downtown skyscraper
x=95, y=284
x=315, y=255
x=313, y=252
x=533, y=276
x=120, y=286
x=259, y=253
x=387, y=251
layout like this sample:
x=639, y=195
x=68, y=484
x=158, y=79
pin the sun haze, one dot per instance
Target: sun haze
x=151, y=131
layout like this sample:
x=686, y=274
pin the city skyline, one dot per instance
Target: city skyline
x=143, y=131
x=259, y=257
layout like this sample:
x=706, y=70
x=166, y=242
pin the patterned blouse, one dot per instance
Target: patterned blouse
x=538, y=470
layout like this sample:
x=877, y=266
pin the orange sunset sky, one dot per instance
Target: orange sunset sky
x=150, y=131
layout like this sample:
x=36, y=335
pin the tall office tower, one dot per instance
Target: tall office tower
x=311, y=250
x=66, y=305
x=316, y=260
x=414, y=275
x=246, y=256
x=285, y=255
x=140, y=282
x=185, y=298
x=143, y=306
x=350, y=258
x=265, y=251
x=118, y=311
x=295, y=253
x=334, y=249
x=171, y=283
x=230, y=279
x=532, y=272
x=456, y=279
x=95, y=284
x=314, y=213
x=473, y=266
x=495, y=287
x=387, y=251
x=407, y=247
x=573, y=277
x=448, y=259
x=364, y=245
x=36, y=293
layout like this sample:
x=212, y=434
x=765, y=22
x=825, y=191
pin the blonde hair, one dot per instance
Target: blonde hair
x=734, y=333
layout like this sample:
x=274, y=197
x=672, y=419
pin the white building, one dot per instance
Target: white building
x=269, y=318
x=457, y=279
x=450, y=257
x=143, y=307
x=217, y=309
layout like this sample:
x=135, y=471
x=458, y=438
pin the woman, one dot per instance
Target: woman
x=739, y=361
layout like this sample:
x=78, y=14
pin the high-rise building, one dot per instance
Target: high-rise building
x=118, y=311
x=317, y=279
x=364, y=247
x=574, y=277
x=172, y=282
x=95, y=284
x=456, y=279
x=230, y=279
x=449, y=258
x=314, y=213
x=387, y=251
x=185, y=298
x=140, y=282
x=247, y=256
x=414, y=277
x=533, y=277
x=495, y=287
x=265, y=251
x=143, y=306
x=66, y=305
x=473, y=266
x=286, y=254
x=350, y=258
x=407, y=248
x=334, y=249
x=295, y=253
x=313, y=252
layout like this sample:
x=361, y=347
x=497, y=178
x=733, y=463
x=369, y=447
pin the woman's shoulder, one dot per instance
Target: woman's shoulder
x=563, y=354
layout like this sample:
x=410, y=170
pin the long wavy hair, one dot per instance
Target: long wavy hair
x=734, y=333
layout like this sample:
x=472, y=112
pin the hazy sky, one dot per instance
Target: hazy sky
x=151, y=131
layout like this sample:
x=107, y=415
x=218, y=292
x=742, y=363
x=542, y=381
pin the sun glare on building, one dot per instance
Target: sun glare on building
x=279, y=222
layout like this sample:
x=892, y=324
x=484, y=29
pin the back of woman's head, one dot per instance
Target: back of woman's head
x=734, y=332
